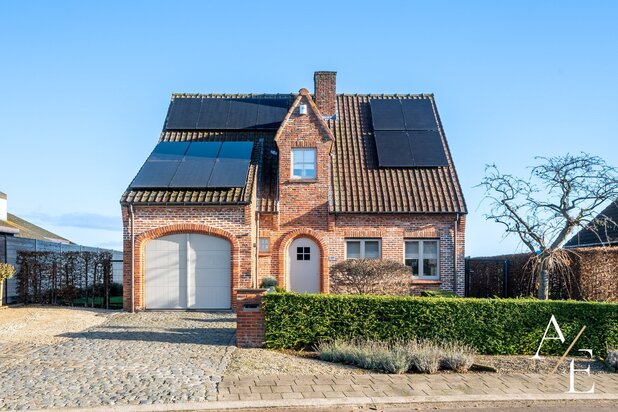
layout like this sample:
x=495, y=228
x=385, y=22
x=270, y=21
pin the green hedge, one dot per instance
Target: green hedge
x=492, y=326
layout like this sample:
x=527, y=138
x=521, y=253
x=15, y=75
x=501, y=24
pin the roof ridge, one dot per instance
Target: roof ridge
x=232, y=95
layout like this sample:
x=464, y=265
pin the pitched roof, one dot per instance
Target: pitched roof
x=606, y=236
x=358, y=184
x=30, y=230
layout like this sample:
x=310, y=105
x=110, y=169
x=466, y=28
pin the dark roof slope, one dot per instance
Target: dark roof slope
x=608, y=235
x=358, y=184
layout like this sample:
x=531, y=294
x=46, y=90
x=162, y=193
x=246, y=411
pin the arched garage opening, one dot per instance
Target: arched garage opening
x=187, y=271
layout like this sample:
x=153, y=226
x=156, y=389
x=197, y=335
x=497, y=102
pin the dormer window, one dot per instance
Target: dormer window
x=303, y=163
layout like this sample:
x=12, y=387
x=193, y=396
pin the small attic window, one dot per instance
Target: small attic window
x=303, y=163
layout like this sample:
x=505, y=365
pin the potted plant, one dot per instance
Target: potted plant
x=6, y=272
x=269, y=283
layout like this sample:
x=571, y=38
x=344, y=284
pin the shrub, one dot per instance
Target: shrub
x=457, y=357
x=268, y=282
x=489, y=326
x=6, y=271
x=371, y=277
x=612, y=359
x=439, y=294
x=425, y=357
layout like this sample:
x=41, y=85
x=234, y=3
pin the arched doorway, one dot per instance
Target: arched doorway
x=187, y=271
x=304, y=266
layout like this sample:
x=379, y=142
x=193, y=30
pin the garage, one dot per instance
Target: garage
x=188, y=271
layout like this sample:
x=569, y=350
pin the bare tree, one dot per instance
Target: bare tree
x=371, y=277
x=560, y=196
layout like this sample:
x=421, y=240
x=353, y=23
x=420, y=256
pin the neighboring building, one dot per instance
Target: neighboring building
x=18, y=235
x=604, y=234
x=241, y=187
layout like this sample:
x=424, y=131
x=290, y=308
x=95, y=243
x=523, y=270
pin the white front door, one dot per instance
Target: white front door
x=188, y=271
x=304, y=266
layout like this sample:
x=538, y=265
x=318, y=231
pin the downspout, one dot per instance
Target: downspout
x=257, y=248
x=455, y=253
x=131, y=217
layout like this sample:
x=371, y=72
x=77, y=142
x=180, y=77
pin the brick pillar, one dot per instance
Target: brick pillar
x=325, y=84
x=249, y=318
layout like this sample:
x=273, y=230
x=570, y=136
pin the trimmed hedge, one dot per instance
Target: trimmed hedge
x=491, y=326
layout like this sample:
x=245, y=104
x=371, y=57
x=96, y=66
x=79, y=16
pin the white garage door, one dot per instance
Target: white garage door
x=188, y=271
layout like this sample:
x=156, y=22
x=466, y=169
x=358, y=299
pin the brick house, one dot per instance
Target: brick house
x=241, y=187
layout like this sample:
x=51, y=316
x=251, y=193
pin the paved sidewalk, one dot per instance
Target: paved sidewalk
x=285, y=387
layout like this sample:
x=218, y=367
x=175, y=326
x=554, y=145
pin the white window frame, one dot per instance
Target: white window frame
x=315, y=163
x=260, y=249
x=362, y=247
x=420, y=242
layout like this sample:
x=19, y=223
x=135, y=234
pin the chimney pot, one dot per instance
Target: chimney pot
x=326, y=93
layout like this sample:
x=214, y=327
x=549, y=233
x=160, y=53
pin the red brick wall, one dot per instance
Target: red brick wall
x=233, y=223
x=249, y=319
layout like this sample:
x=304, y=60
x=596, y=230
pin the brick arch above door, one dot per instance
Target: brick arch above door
x=282, y=250
x=144, y=237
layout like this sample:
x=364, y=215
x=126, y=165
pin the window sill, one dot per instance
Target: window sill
x=299, y=180
x=426, y=282
x=264, y=254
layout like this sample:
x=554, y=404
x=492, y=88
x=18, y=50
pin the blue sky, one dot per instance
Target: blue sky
x=85, y=86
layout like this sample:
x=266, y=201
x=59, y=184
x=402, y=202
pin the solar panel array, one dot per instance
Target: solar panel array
x=406, y=133
x=189, y=165
x=264, y=113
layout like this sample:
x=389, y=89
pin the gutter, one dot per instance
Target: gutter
x=131, y=218
x=455, y=266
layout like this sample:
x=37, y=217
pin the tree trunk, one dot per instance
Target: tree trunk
x=543, y=284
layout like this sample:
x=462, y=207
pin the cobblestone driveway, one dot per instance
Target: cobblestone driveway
x=143, y=358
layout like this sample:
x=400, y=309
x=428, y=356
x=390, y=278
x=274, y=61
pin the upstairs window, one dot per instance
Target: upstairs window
x=422, y=257
x=362, y=249
x=303, y=163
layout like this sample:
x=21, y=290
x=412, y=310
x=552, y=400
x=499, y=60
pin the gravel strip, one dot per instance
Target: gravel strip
x=268, y=362
x=524, y=364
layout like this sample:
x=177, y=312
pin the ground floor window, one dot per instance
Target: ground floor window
x=422, y=256
x=362, y=249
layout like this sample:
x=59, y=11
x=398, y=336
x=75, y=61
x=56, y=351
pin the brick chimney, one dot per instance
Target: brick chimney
x=326, y=92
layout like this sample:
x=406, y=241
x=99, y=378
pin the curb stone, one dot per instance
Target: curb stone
x=321, y=402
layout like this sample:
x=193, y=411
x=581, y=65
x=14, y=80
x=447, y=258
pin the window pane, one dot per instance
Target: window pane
x=309, y=171
x=306, y=249
x=353, y=250
x=430, y=248
x=411, y=249
x=309, y=156
x=298, y=172
x=300, y=256
x=430, y=267
x=264, y=244
x=372, y=249
x=413, y=263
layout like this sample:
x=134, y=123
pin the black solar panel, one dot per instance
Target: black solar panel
x=203, y=150
x=271, y=113
x=427, y=148
x=418, y=114
x=229, y=173
x=236, y=150
x=214, y=114
x=153, y=174
x=184, y=113
x=406, y=133
x=393, y=148
x=387, y=114
x=193, y=173
x=169, y=151
x=243, y=114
